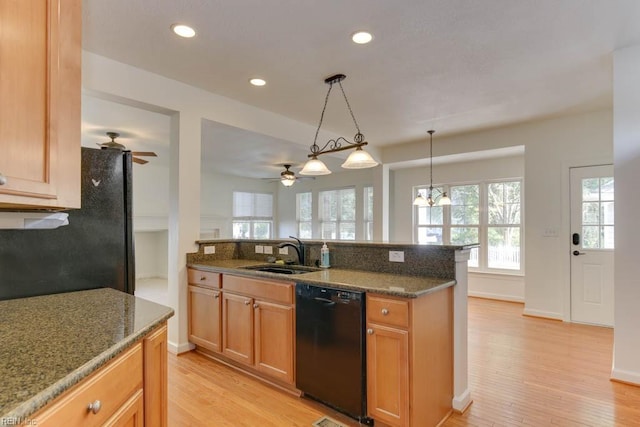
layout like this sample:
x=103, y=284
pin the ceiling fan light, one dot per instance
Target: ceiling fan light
x=288, y=182
x=315, y=167
x=359, y=159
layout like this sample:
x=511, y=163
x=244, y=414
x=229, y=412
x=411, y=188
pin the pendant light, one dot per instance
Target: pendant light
x=441, y=199
x=359, y=159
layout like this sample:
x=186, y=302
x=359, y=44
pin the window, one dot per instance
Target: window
x=597, y=213
x=337, y=214
x=430, y=221
x=465, y=218
x=368, y=213
x=252, y=215
x=503, y=231
x=304, y=215
x=488, y=213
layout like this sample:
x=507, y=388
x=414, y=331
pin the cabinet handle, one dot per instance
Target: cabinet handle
x=247, y=302
x=203, y=278
x=94, y=407
x=3, y=179
x=370, y=331
x=256, y=305
x=216, y=296
x=385, y=311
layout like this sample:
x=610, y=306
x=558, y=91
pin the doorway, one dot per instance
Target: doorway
x=592, y=244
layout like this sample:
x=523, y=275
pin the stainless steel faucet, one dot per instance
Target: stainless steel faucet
x=298, y=247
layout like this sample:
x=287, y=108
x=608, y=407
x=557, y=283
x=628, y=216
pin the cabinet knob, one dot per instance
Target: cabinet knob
x=203, y=278
x=385, y=311
x=94, y=407
x=255, y=305
x=370, y=331
x=247, y=302
x=3, y=179
x=216, y=296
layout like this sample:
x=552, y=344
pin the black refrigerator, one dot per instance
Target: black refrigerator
x=94, y=251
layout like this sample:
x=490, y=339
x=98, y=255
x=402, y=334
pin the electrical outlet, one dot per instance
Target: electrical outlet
x=259, y=249
x=268, y=250
x=396, y=256
x=208, y=250
x=283, y=251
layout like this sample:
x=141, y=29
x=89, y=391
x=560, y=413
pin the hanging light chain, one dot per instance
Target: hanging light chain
x=315, y=148
x=359, y=136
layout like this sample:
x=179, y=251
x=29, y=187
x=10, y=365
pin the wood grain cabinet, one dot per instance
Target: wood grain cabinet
x=258, y=328
x=131, y=390
x=40, y=51
x=205, y=308
x=410, y=359
x=247, y=321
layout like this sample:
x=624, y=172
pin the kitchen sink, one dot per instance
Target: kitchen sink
x=281, y=268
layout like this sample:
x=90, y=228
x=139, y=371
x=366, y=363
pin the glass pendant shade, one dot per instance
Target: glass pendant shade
x=315, y=167
x=419, y=200
x=444, y=200
x=359, y=159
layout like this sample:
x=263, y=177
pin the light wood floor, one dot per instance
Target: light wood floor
x=523, y=372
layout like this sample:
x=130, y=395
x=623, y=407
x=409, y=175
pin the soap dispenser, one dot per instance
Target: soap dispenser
x=324, y=256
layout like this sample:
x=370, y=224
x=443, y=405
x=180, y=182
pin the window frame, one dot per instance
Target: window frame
x=483, y=227
x=252, y=220
x=339, y=222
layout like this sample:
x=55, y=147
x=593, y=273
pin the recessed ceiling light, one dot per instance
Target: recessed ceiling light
x=183, y=30
x=361, y=37
x=258, y=82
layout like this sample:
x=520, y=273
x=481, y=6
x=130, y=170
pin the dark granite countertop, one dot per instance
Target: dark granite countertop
x=51, y=342
x=383, y=283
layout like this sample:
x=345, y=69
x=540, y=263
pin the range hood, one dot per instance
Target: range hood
x=32, y=220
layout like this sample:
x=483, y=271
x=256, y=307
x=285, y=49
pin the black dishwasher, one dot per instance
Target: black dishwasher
x=330, y=348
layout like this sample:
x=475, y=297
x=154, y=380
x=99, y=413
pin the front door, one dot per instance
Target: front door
x=592, y=204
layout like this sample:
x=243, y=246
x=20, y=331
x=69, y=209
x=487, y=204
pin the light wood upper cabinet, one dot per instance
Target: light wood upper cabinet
x=40, y=65
x=410, y=359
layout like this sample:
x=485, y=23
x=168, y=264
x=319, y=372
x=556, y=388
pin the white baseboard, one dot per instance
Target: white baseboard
x=543, y=314
x=182, y=348
x=498, y=297
x=461, y=403
x=625, y=376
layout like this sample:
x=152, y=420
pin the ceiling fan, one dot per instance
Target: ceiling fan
x=117, y=146
x=287, y=177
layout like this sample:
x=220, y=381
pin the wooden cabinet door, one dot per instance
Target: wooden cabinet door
x=237, y=324
x=131, y=414
x=388, y=374
x=155, y=380
x=274, y=340
x=40, y=61
x=204, y=317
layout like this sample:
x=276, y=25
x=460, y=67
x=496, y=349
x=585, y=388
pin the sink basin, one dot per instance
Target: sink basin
x=281, y=269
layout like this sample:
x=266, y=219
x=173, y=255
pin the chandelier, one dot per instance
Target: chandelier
x=359, y=159
x=440, y=198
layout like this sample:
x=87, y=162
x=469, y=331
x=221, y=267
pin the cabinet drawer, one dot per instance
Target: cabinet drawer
x=112, y=385
x=261, y=289
x=203, y=278
x=387, y=311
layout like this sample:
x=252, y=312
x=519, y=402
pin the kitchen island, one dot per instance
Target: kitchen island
x=56, y=345
x=410, y=322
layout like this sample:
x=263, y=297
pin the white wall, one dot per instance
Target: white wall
x=626, y=355
x=286, y=207
x=150, y=197
x=151, y=249
x=551, y=147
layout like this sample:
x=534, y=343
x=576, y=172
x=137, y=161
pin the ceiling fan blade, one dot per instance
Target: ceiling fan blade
x=144, y=153
x=139, y=161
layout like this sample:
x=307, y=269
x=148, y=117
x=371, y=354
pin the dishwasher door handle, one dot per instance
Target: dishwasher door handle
x=327, y=302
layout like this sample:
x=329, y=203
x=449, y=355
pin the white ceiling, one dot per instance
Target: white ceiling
x=451, y=65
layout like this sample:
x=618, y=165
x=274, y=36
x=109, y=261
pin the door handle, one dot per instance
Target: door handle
x=576, y=253
x=326, y=301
